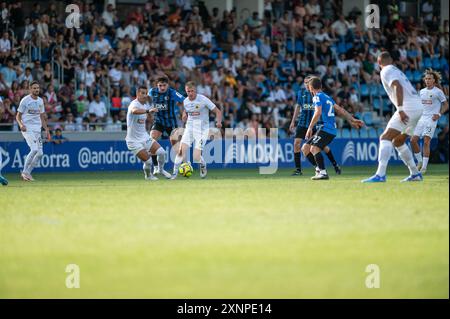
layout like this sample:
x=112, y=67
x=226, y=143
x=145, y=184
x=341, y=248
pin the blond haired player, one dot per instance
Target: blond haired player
x=197, y=107
x=31, y=118
x=434, y=105
x=138, y=140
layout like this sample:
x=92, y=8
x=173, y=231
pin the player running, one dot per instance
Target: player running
x=324, y=111
x=138, y=140
x=197, y=107
x=164, y=98
x=434, y=105
x=305, y=107
x=31, y=118
x=402, y=123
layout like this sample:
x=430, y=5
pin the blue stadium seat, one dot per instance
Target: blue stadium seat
x=373, y=133
x=339, y=133
x=417, y=76
x=444, y=62
x=349, y=45
x=364, y=133
x=367, y=118
x=443, y=121
x=341, y=47
x=346, y=133
x=289, y=46
x=354, y=133
x=299, y=47
x=409, y=75
x=213, y=55
x=376, y=103
x=436, y=63
x=382, y=90
x=427, y=62
x=374, y=90
x=380, y=131
x=364, y=90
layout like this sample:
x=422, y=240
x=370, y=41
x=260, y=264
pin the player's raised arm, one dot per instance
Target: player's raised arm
x=346, y=115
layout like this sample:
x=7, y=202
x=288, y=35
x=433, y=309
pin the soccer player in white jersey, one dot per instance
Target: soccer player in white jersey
x=434, y=105
x=197, y=107
x=402, y=123
x=138, y=140
x=31, y=118
x=3, y=180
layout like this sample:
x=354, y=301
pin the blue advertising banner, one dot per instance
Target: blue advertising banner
x=114, y=155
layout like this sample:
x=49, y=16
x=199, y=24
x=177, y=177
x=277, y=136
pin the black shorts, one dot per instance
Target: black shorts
x=321, y=139
x=300, y=132
x=161, y=128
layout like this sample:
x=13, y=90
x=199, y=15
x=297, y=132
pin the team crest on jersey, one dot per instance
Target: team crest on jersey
x=166, y=98
x=197, y=106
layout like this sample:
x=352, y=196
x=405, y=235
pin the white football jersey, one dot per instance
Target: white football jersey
x=136, y=130
x=432, y=100
x=411, y=99
x=198, y=109
x=31, y=110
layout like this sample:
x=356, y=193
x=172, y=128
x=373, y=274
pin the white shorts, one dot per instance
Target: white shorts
x=396, y=123
x=196, y=134
x=137, y=146
x=33, y=139
x=425, y=127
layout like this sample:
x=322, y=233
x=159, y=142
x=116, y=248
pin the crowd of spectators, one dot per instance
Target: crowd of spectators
x=251, y=68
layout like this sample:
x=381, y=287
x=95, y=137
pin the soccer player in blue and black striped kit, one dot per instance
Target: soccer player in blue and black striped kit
x=164, y=98
x=305, y=107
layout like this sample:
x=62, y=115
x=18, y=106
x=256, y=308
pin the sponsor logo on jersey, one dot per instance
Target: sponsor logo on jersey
x=430, y=102
x=308, y=107
x=194, y=113
x=141, y=121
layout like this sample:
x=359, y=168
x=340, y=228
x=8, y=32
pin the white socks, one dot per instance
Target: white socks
x=425, y=162
x=384, y=153
x=161, y=154
x=201, y=162
x=28, y=166
x=177, y=163
x=406, y=155
x=418, y=157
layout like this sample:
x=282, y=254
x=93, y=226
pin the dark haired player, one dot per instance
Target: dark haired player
x=164, y=98
x=324, y=111
x=305, y=107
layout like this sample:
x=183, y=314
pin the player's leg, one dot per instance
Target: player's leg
x=319, y=142
x=145, y=157
x=306, y=149
x=299, y=136
x=30, y=138
x=406, y=156
x=199, y=143
x=416, y=149
x=427, y=136
x=161, y=155
x=155, y=133
x=181, y=155
x=40, y=151
x=3, y=180
x=330, y=156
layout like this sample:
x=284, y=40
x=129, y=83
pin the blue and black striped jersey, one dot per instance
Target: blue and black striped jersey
x=304, y=100
x=166, y=105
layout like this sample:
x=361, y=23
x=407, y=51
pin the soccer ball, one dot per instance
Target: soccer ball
x=185, y=170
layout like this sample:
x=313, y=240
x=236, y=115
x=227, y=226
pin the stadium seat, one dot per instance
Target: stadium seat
x=367, y=118
x=354, y=133
x=382, y=90
x=289, y=46
x=380, y=131
x=339, y=133
x=373, y=133
x=341, y=48
x=364, y=90
x=443, y=121
x=214, y=55
x=444, y=62
x=346, y=133
x=363, y=133
x=427, y=63
x=374, y=90
x=417, y=76
x=299, y=47
x=436, y=63
x=376, y=104
x=409, y=75
x=348, y=46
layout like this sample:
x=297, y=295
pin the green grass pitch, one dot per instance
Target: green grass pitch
x=236, y=234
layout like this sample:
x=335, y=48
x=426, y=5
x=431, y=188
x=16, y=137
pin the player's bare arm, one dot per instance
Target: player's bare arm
x=44, y=125
x=294, y=117
x=138, y=111
x=398, y=89
x=444, y=109
x=218, y=114
x=314, y=120
x=346, y=115
x=22, y=127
